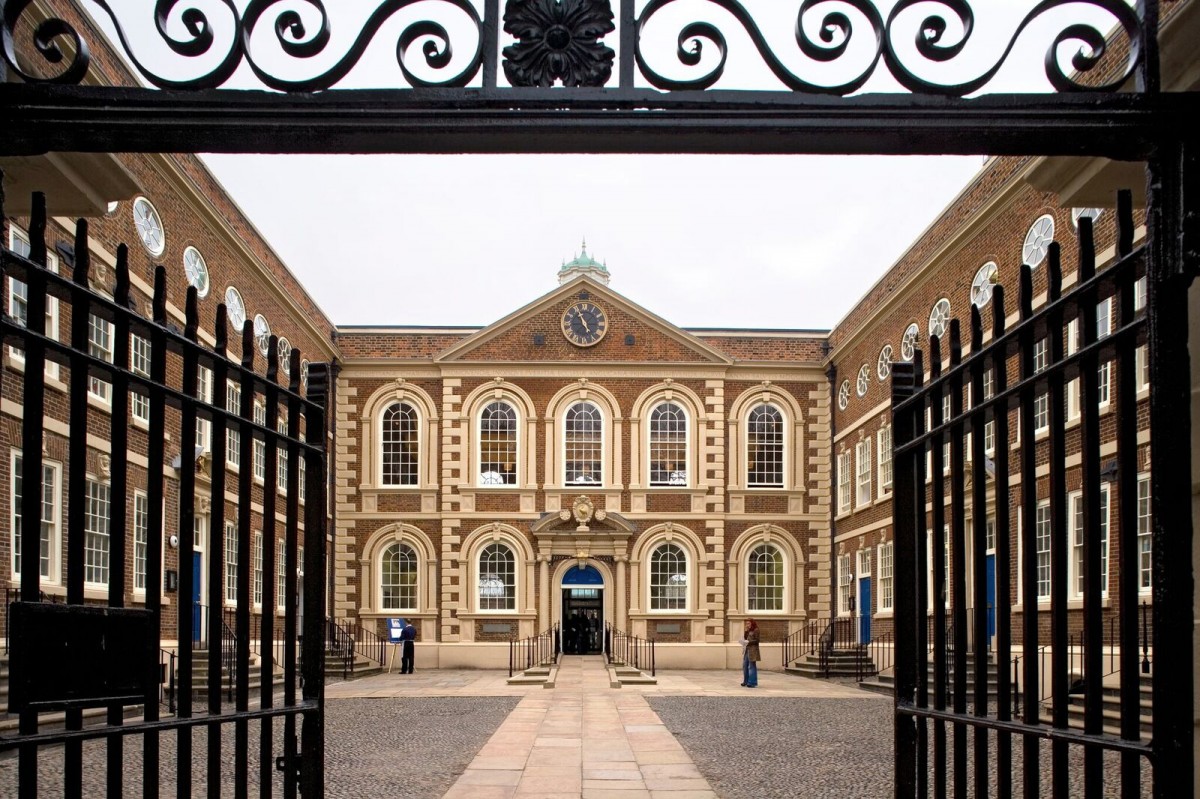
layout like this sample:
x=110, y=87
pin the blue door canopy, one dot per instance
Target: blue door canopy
x=588, y=575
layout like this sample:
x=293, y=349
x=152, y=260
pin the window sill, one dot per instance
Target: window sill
x=492, y=614
x=1074, y=603
x=884, y=614
x=99, y=403
x=673, y=614
x=140, y=424
x=883, y=498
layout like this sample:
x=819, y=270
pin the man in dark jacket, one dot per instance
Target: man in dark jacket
x=407, y=636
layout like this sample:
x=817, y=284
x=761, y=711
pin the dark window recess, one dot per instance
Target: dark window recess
x=539, y=340
x=629, y=340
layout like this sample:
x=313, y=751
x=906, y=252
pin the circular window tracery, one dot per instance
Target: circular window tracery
x=883, y=367
x=908, y=343
x=149, y=226
x=939, y=318
x=864, y=380
x=235, y=309
x=981, y=286
x=196, y=271
x=844, y=395
x=1037, y=241
x=1082, y=213
x=262, y=334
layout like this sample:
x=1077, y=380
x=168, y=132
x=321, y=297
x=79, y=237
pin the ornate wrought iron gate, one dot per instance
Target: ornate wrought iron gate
x=73, y=656
x=465, y=107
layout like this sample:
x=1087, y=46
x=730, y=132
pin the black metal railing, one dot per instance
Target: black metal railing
x=877, y=655
x=630, y=650
x=1030, y=367
x=536, y=650
x=339, y=647
x=169, y=390
x=166, y=669
x=368, y=643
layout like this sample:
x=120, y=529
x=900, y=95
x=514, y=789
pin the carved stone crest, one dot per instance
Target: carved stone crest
x=582, y=509
x=558, y=41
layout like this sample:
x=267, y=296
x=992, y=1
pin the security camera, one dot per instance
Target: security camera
x=174, y=541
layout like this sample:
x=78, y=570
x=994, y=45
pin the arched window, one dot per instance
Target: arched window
x=398, y=578
x=764, y=448
x=668, y=446
x=668, y=578
x=498, y=445
x=497, y=578
x=764, y=578
x=400, y=445
x=584, y=438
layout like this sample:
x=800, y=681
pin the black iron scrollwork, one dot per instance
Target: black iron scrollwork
x=841, y=44
x=294, y=39
x=558, y=40
x=836, y=30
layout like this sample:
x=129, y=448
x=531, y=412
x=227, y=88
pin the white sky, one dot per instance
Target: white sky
x=704, y=241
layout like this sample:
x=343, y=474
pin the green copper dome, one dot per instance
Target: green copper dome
x=583, y=264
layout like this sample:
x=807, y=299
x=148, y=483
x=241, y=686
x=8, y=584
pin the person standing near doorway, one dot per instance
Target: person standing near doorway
x=750, y=654
x=407, y=638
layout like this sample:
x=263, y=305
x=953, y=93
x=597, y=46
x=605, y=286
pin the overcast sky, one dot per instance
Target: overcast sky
x=705, y=241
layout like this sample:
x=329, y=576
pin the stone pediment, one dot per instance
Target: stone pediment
x=582, y=520
x=534, y=333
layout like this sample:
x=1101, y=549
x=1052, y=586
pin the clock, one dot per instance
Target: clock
x=584, y=323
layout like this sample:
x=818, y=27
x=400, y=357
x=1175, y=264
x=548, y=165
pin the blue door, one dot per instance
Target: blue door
x=196, y=615
x=991, y=596
x=864, y=611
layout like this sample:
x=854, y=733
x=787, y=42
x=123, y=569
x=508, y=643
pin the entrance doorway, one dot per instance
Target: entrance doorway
x=582, y=627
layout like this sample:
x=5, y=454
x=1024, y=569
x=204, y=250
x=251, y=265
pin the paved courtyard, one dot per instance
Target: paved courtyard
x=455, y=734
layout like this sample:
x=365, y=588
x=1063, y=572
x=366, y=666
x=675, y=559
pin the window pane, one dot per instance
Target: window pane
x=400, y=445
x=584, y=438
x=231, y=562
x=886, y=585
x=668, y=578
x=497, y=578
x=764, y=447
x=668, y=446
x=498, y=445
x=141, y=539
x=398, y=578
x=765, y=578
x=96, y=533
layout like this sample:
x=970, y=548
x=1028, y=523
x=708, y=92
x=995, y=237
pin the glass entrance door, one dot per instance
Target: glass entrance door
x=583, y=621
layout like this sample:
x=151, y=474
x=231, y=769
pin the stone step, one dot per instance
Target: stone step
x=545, y=676
x=55, y=722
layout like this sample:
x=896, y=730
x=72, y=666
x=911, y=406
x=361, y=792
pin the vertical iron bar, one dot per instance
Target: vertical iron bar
x=77, y=478
x=1169, y=273
x=627, y=22
x=187, y=505
x=937, y=539
x=290, y=564
x=119, y=485
x=32, y=442
x=1088, y=396
x=1029, y=559
x=156, y=451
x=313, y=733
x=267, y=633
x=491, y=42
x=958, y=575
x=1128, y=575
x=920, y=522
x=216, y=547
x=1005, y=692
x=1059, y=565
x=245, y=535
x=905, y=510
x=979, y=551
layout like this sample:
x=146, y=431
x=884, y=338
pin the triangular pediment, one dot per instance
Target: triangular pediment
x=535, y=333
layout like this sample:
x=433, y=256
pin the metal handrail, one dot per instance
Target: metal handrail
x=166, y=666
x=536, y=650
x=630, y=650
x=340, y=643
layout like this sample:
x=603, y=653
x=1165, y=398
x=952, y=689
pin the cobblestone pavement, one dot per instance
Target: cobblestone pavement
x=412, y=747
x=762, y=748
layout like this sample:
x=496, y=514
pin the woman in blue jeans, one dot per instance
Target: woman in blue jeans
x=750, y=654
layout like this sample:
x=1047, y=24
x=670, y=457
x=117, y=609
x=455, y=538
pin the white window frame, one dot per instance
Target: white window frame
x=92, y=566
x=281, y=574
x=673, y=481
x=141, y=541
x=379, y=457
x=15, y=235
x=1042, y=524
x=259, y=447
x=233, y=438
x=863, y=494
x=516, y=470
x=476, y=589
x=139, y=364
x=845, y=580
x=783, y=577
x=689, y=574
x=100, y=328
x=845, y=468
x=256, y=576
x=883, y=455
x=887, y=581
x=417, y=578
x=229, y=540
x=1145, y=535
x=1041, y=403
x=1075, y=509
x=54, y=567
x=783, y=447
x=989, y=427
x=601, y=481
x=204, y=393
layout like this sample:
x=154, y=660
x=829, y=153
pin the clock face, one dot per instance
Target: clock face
x=584, y=323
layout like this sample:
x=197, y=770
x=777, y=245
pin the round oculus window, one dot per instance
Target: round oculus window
x=149, y=226
x=304, y=372
x=981, y=286
x=196, y=271
x=262, y=334
x=863, y=381
x=284, y=348
x=1084, y=213
x=844, y=395
x=1037, y=241
x=908, y=342
x=235, y=309
x=883, y=367
x=939, y=318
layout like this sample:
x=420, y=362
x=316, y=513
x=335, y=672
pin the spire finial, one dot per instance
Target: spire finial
x=585, y=245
